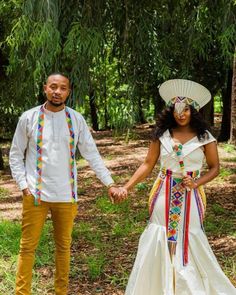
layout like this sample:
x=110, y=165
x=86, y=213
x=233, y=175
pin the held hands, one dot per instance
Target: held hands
x=189, y=182
x=117, y=194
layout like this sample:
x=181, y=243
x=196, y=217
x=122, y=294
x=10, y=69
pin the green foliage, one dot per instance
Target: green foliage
x=95, y=265
x=115, y=55
x=8, y=276
x=104, y=204
x=122, y=229
x=85, y=230
x=229, y=147
x=4, y=193
x=37, y=46
x=9, y=236
x=119, y=281
x=229, y=265
x=218, y=104
x=230, y=159
x=225, y=172
x=218, y=225
x=10, y=233
x=217, y=209
x=141, y=186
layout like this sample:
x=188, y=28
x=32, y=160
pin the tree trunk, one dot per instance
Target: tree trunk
x=1, y=160
x=93, y=109
x=208, y=112
x=106, y=116
x=159, y=104
x=226, y=98
x=233, y=104
x=141, y=118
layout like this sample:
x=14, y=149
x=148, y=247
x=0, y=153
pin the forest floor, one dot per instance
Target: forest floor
x=105, y=236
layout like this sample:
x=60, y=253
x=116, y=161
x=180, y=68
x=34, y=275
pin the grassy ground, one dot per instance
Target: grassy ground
x=105, y=236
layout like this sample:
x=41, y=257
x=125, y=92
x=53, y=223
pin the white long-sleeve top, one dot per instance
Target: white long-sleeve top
x=56, y=185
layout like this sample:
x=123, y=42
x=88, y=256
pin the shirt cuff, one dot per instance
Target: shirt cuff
x=107, y=180
x=23, y=185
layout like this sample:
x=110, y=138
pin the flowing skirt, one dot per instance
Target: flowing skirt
x=156, y=273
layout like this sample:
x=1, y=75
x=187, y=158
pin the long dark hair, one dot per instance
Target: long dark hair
x=166, y=120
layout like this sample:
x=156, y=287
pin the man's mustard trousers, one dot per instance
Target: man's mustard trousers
x=33, y=219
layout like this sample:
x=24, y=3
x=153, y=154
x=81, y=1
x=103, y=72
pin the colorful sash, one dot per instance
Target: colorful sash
x=175, y=196
x=39, y=162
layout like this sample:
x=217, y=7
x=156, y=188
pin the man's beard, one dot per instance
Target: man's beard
x=56, y=104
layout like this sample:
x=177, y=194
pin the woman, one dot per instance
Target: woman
x=174, y=256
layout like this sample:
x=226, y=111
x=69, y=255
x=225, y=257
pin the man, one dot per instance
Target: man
x=42, y=160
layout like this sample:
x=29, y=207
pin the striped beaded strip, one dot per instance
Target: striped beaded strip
x=39, y=162
x=72, y=154
x=200, y=206
x=154, y=194
x=178, y=150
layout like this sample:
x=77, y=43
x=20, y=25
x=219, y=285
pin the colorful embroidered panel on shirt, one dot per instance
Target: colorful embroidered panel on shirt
x=39, y=156
x=72, y=154
x=39, y=162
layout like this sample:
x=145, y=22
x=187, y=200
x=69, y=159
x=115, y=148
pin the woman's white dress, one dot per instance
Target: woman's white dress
x=156, y=271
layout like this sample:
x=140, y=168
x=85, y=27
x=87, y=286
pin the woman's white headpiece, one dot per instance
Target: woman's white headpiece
x=179, y=92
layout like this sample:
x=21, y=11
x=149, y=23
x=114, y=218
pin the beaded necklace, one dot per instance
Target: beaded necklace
x=39, y=162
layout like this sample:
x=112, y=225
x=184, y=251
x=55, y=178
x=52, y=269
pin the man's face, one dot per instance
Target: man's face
x=57, y=89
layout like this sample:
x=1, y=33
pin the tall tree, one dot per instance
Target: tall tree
x=226, y=115
x=146, y=42
x=233, y=104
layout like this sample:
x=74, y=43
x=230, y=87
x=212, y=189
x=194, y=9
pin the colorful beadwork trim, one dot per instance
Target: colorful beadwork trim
x=39, y=162
x=175, y=196
x=178, y=151
x=202, y=196
x=155, y=192
x=200, y=206
x=72, y=154
x=183, y=99
x=176, y=201
x=186, y=227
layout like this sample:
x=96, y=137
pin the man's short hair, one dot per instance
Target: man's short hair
x=59, y=73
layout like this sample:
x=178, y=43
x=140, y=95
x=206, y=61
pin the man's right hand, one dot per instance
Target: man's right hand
x=26, y=192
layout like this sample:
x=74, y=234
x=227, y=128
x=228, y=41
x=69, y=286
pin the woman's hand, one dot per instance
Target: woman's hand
x=212, y=160
x=118, y=194
x=189, y=182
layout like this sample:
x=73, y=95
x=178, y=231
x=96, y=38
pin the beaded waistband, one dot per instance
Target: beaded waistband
x=164, y=171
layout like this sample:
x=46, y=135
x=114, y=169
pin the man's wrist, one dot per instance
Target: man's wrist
x=111, y=185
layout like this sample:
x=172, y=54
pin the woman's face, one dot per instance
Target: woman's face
x=184, y=118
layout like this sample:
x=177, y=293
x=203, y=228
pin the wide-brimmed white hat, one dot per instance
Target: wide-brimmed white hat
x=181, y=90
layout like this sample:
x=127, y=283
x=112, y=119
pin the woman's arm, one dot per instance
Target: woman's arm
x=147, y=166
x=212, y=160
